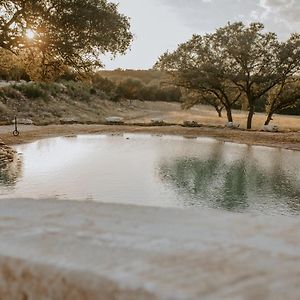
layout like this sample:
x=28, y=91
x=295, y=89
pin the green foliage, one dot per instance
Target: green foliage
x=78, y=90
x=104, y=84
x=282, y=97
x=54, y=89
x=3, y=109
x=234, y=61
x=10, y=67
x=130, y=88
x=145, y=76
x=31, y=90
x=133, y=88
x=67, y=33
x=294, y=110
x=9, y=92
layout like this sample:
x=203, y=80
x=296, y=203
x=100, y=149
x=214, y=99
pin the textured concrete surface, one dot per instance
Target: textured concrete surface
x=82, y=250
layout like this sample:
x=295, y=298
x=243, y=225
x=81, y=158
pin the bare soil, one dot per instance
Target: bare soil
x=287, y=140
x=138, y=112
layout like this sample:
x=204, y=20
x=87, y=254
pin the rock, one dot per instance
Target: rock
x=270, y=128
x=114, y=120
x=83, y=250
x=23, y=121
x=232, y=125
x=158, y=122
x=191, y=124
x=70, y=120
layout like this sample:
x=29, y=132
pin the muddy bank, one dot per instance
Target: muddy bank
x=286, y=140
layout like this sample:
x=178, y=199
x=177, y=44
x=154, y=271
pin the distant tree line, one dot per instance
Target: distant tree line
x=133, y=88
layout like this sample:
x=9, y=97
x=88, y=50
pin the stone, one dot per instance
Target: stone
x=232, y=125
x=270, y=128
x=191, y=124
x=22, y=121
x=114, y=120
x=70, y=120
x=69, y=250
x=158, y=122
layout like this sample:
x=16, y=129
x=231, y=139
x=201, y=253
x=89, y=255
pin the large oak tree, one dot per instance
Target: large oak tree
x=57, y=33
x=235, y=57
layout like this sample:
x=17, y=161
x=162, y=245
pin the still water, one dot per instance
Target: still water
x=157, y=171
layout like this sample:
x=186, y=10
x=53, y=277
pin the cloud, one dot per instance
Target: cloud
x=280, y=16
x=206, y=16
x=159, y=25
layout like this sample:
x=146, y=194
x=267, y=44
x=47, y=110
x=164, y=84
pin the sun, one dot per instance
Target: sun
x=30, y=34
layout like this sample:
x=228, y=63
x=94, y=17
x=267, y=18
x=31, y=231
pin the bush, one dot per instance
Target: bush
x=53, y=88
x=78, y=90
x=3, y=109
x=31, y=90
x=103, y=84
x=9, y=92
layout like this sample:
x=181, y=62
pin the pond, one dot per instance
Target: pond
x=165, y=171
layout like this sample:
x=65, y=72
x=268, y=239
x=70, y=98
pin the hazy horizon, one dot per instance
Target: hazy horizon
x=160, y=25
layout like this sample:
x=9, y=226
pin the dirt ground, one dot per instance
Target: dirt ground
x=287, y=140
x=141, y=112
x=138, y=112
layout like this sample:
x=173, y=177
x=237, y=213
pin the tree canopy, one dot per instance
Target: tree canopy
x=235, y=61
x=56, y=33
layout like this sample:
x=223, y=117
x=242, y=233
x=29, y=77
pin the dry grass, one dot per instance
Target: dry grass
x=72, y=102
x=172, y=113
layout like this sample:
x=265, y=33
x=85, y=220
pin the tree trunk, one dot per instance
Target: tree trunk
x=269, y=118
x=219, y=111
x=229, y=114
x=250, y=115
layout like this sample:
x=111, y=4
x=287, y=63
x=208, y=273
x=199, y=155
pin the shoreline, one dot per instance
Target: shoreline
x=283, y=140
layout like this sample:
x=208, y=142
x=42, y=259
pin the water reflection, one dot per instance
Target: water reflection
x=239, y=184
x=157, y=171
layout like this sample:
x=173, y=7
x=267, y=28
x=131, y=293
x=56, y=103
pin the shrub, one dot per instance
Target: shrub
x=31, y=90
x=9, y=92
x=78, y=90
x=3, y=109
x=53, y=88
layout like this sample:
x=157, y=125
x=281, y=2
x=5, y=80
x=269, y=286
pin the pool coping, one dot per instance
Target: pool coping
x=83, y=250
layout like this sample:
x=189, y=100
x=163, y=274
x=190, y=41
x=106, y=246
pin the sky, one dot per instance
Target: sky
x=160, y=25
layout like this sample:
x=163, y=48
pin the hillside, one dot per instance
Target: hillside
x=69, y=102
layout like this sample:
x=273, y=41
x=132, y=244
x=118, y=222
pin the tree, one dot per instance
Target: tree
x=59, y=33
x=129, y=88
x=282, y=97
x=11, y=68
x=198, y=67
x=235, y=57
x=258, y=61
x=194, y=98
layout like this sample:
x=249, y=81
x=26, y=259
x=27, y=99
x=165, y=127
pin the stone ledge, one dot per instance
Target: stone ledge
x=81, y=250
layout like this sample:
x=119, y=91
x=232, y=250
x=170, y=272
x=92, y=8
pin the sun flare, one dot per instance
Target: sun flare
x=30, y=34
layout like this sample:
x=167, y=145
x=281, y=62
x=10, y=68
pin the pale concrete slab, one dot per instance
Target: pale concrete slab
x=66, y=250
